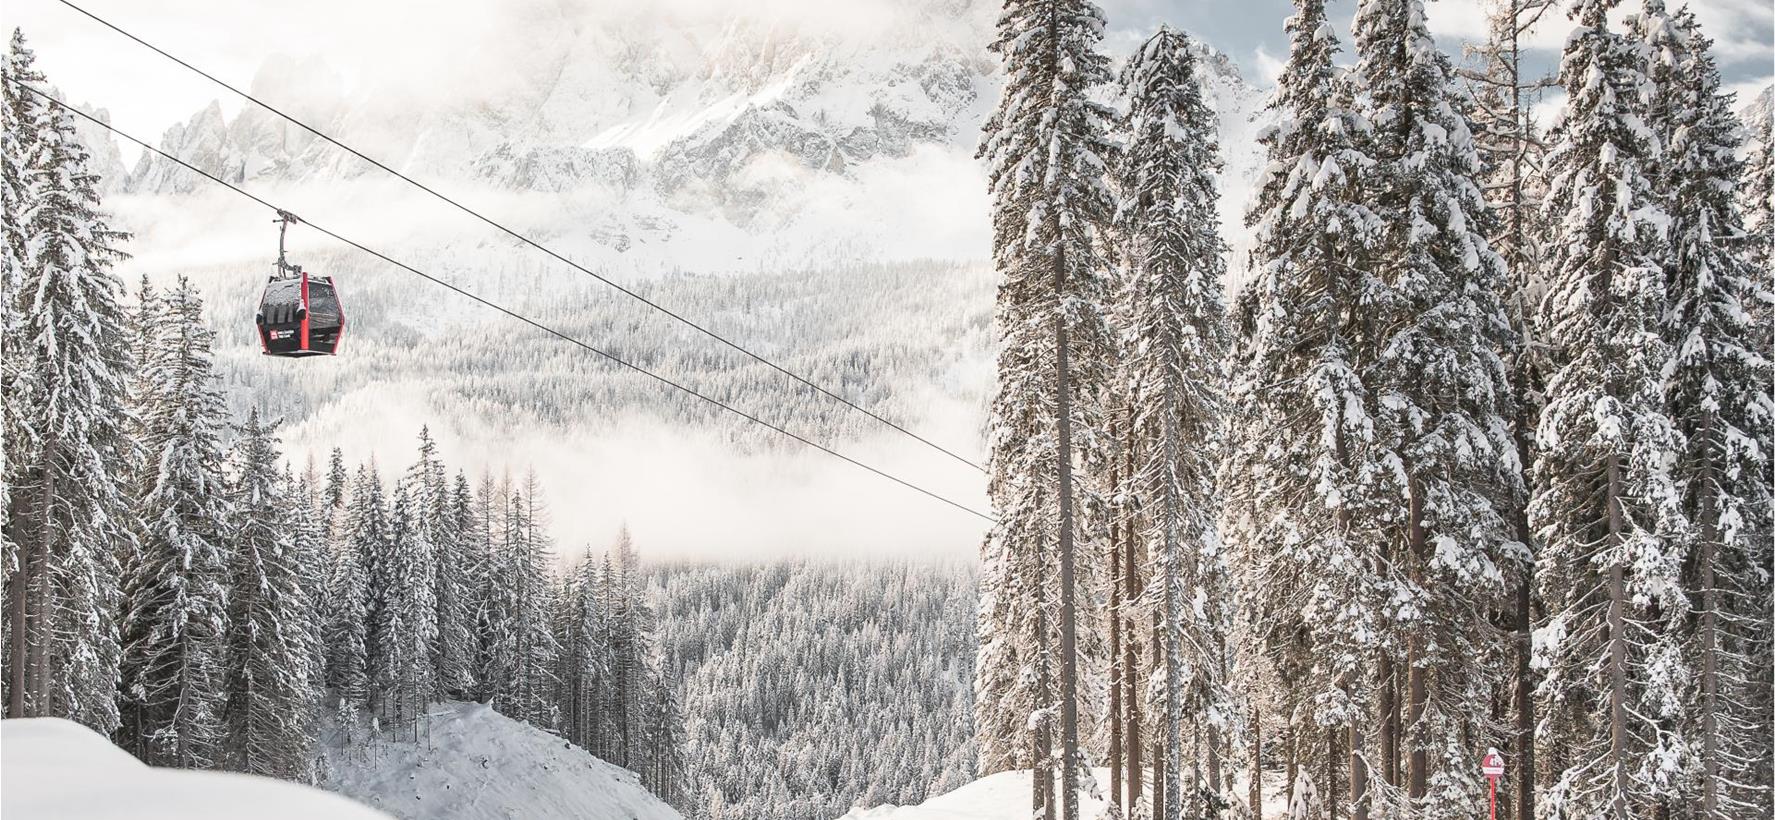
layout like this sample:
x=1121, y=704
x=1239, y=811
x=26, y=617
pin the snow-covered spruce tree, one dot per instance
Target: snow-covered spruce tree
x=1435, y=363
x=540, y=649
x=368, y=533
x=1176, y=341
x=409, y=613
x=1300, y=473
x=469, y=534
x=344, y=610
x=667, y=770
x=336, y=486
x=1514, y=152
x=1046, y=149
x=495, y=641
x=309, y=518
x=1605, y=504
x=630, y=623
x=175, y=616
x=450, y=648
x=479, y=522
x=585, y=654
x=1719, y=396
x=65, y=371
x=270, y=710
x=19, y=114
x=522, y=650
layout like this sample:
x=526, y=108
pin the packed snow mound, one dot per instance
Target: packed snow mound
x=481, y=765
x=55, y=769
x=1003, y=796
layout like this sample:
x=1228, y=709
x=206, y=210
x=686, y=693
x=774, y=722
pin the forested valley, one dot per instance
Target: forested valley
x=815, y=685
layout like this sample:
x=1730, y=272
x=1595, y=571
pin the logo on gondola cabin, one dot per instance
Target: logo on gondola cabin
x=282, y=334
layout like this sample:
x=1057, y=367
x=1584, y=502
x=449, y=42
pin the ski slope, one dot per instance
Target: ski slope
x=481, y=765
x=53, y=769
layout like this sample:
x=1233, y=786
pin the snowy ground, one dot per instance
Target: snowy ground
x=1005, y=796
x=481, y=765
x=53, y=769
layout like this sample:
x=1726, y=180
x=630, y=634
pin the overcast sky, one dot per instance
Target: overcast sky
x=362, y=38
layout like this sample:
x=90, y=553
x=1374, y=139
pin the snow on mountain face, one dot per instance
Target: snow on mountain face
x=1758, y=109
x=661, y=115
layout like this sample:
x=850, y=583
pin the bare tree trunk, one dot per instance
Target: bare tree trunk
x=1131, y=591
x=18, y=586
x=1525, y=690
x=1040, y=802
x=37, y=626
x=1116, y=670
x=1256, y=785
x=1214, y=760
x=1069, y=676
x=1525, y=703
x=1042, y=761
x=1389, y=708
x=1709, y=635
x=1358, y=775
x=1161, y=765
x=1169, y=561
x=1617, y=644
x=1417, y=671
x=1332, y=752
x=1292, y=771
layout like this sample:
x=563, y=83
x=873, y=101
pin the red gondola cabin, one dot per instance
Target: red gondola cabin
x=300, y=316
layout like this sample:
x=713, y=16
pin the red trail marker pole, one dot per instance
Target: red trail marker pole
x=1492, y=766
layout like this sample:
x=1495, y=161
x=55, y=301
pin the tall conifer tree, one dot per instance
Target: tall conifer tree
x=1435, y=360
x=270, y=709
x=65, y=351
x=1719, y=397
x=175, y=620
x=1177, y=341
x=1300, y=476
x=1606, y=503
x=1047, y=152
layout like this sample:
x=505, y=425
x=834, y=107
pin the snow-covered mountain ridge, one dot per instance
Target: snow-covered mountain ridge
x=654, y=121
x=806, y=187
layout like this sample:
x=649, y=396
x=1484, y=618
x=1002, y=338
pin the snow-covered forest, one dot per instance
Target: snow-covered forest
x=814, y=686
x=1479, y=457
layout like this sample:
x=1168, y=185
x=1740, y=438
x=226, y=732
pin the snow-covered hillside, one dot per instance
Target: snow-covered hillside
x=476, y=764
x=52, y=769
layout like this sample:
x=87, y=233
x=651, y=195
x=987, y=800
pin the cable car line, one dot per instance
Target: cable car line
x=525, y=239
x=507, y=311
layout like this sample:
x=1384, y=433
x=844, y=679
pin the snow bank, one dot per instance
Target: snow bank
x=1003, y=796
x=481, y=765
x=58, y=770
